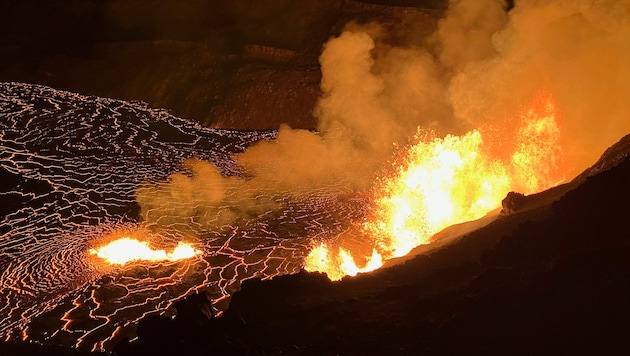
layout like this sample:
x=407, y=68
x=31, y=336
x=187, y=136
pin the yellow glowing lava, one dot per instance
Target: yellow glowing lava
x=446, y=181
x=124, y=250
x=343, y=264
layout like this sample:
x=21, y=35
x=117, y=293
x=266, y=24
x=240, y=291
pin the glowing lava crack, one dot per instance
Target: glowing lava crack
x=124, y=250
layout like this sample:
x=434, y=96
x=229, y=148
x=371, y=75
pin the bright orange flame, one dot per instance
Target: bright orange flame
x=343, y=264
x=450, y=180
x=124, y=250
x=445, y=182
x=538, y=157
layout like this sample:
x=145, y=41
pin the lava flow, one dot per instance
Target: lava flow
x=125, y=249
x=446, y=181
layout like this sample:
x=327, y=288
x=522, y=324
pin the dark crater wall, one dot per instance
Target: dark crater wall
x=242, y=64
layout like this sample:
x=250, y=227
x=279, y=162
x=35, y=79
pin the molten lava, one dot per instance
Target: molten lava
x=124, y=250
x=450, y=180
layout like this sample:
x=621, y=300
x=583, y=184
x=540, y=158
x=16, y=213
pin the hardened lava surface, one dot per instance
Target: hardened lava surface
x=69, y=169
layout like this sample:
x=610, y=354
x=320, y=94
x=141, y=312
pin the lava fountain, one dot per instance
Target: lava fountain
x=442, y=181
x=126, y=249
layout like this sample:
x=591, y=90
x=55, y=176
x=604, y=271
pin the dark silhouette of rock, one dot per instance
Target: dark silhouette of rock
x=155, y=329
x=192, y=330
x=513, y=203
x=194, y=314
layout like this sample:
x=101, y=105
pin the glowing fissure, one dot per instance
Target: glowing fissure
x=126, y=249
x=446, y=181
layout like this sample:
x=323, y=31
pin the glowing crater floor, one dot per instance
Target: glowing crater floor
x=69, y=168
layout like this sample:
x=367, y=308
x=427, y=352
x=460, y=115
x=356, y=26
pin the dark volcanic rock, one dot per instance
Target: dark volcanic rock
x=513, y=203
x=240, y=64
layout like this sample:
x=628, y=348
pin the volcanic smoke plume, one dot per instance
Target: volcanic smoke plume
x=528, y=97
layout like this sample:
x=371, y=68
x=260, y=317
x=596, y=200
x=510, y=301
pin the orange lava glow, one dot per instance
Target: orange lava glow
x=126, y=249
x=449, y=180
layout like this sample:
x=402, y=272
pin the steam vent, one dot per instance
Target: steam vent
x=319, y=177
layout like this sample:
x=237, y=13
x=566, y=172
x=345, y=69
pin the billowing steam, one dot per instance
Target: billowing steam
x=577, y=51
x=481, y=68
